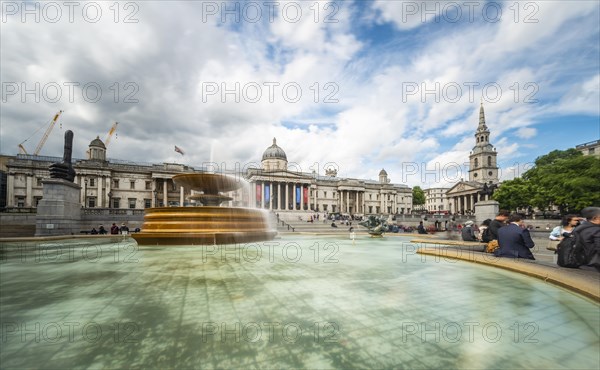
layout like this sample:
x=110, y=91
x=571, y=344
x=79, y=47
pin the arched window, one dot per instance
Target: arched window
x=476, y=163
x=490, y=160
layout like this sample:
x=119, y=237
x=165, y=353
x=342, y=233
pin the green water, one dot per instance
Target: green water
x=302, y=302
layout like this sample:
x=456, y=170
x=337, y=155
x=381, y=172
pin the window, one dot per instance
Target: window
x=370, y=209
x=39, y=181
x=490, y=173
x=131, y=202
x=115, y=183
x=370, y=197
x=91, y=202
x=476, y=163
x=325, y=207
x=92, y=182
x=377, y=209
x=132, y=184
x=325, y=194
x=20, y=202
x=147, y=203
x=148, y=185
x=591, y=151
x=489, y=160
x=116, y=202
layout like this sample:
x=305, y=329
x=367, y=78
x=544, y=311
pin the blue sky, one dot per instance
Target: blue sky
x=337, y=83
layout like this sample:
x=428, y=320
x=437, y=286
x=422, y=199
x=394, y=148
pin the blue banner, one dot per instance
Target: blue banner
x=267, y=194
x=297, y=194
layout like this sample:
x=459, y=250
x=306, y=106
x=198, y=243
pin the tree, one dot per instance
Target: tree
x=514, y=194
x=418, y=196
x=563, y=178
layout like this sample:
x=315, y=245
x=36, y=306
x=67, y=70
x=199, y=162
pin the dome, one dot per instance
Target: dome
x=274, y=152
x=382, y=172
x=98, y=142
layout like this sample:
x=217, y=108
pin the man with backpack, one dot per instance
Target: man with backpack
x=582, y=246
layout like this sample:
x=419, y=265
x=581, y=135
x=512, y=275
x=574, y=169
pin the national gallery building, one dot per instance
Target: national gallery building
x=125, y=185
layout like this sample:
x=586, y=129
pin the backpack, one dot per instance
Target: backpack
x=570, y=251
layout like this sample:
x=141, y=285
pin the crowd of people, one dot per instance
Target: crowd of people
x=508, y=236
x=114, y=230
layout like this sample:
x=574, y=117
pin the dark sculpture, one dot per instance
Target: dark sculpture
x=64, y=170
x=487, y=190
x=376, y=226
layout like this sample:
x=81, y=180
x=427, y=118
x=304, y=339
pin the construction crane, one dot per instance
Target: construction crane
x=110, y=133
x=40, y=145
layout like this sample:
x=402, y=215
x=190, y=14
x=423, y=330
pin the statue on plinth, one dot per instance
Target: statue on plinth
x=487, y=190
x=64, y=170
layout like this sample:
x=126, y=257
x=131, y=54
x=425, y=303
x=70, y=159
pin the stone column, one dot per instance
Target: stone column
x=108, y=190
x=278, y=196
x=10, y=190
x=181, y=194
x=165, y=194
x=271, y=195
x=29, y=190
x=287, y=193
x=315, y=199
x=347, y=201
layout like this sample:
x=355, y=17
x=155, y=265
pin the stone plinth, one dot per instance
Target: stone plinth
x=486, y=209
x=59, y=211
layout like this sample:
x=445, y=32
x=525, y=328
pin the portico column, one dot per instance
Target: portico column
x=279, y=196
x=315, y=201
x=10, y=189
x=181, y=192
x=262, y=195
x=271, y=195
x=165, y=196
x=347, y=201
x=287, y=195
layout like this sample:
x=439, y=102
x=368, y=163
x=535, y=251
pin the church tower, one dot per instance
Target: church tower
x=482, y=160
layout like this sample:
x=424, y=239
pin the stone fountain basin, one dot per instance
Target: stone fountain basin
x=209, y=183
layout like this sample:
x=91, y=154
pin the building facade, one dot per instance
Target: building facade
x=436, y=200
x=117, y=184
x=483, y=171
x=292, y=194
x=590, y=148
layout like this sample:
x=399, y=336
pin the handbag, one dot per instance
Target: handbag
x=552, y=244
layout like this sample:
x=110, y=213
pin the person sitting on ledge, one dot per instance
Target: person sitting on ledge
x=94, y=231
x=569, y=222
x=467, y=233
x=514, y=239
x=421, y=228
x=333, y=224
x=101, y=230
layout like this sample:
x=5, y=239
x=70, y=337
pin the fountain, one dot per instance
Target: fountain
x=208, y=224
x=376, y=226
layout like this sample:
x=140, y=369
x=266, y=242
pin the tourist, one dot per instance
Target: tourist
x=497, y=223
x=102, y=230
x=467, y=233
x=421, y=228
x=94, y=231
x=589, y=231
x=114, y=229
x=333, y=224
x=514, y=239
x=124, y=229
x=566, y=227
x=484, y=225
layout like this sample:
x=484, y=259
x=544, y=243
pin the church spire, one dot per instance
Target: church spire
x=482, y=126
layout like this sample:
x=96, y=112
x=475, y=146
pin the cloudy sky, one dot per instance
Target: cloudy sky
x=357, y=85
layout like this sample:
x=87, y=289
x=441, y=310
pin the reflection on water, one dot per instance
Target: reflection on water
x=302, y=302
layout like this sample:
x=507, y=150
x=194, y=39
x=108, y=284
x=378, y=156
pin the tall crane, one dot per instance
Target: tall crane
x=110, y=133
x=40, y=145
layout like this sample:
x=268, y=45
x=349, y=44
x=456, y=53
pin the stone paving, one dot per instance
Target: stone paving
x=300, y=301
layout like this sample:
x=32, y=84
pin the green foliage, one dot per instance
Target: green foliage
x=514, y=194
x=564, y=178
x=418, y=196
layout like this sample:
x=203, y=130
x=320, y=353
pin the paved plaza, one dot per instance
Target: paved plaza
x=298, y=301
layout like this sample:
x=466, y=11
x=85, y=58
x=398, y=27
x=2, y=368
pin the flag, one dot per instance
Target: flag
x=178, y=150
